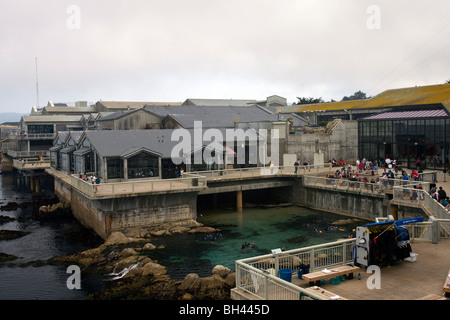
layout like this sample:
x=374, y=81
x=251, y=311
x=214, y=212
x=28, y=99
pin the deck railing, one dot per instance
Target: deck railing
x=31, y=163
x=137, y=186
x=258, y=276
x=240, y=173
x=374, y=188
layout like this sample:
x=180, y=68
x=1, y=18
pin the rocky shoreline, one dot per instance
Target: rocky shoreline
x=123, y=259
x=135, y=276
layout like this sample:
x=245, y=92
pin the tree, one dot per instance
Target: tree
x=358, y=95
x=309, y=100
x=448, y=81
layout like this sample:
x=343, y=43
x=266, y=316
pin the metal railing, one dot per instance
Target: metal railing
x=32, y=136
x=93, y=189
x=375, y=188
x=27, y=154
x=258, y=275
x=31, y=163
x=241, y=173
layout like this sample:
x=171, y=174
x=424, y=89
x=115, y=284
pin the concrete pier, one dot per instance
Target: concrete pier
x=162, y=203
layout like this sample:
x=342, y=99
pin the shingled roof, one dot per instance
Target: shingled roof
x=121, y=143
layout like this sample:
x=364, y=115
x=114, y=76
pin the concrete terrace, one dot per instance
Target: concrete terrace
x=404, y=281
x=190, y=181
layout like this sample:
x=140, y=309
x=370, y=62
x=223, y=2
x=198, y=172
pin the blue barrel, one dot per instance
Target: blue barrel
x=286, y=274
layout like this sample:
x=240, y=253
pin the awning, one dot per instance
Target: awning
x=68, y=150
x=82, y=151
x=55, y=148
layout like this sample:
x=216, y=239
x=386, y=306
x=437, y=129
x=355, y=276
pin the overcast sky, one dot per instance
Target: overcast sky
x=171, y=50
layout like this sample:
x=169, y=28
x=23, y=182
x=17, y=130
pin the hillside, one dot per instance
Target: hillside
x=10, y=116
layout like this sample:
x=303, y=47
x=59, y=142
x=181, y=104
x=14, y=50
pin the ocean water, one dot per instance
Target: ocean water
x=284, y=227
x=287, y=227
x=26, y=278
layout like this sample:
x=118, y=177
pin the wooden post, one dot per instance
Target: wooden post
x=32, y=183
x=239, y=201
x=37, y=187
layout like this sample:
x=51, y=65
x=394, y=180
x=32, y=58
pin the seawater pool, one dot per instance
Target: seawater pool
x=269, y=228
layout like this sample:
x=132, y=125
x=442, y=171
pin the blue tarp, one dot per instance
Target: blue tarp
x=397, y=222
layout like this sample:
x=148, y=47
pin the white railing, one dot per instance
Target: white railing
x=241, y=173
x=376, y=187
x=31, y=163
x=137, y=186
x=27, y=154
x=258, y=275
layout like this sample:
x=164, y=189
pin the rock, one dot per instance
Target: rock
x=12, y=234
x=202, y=230
x=230, y=280
x=54, y=210
x=187, y=296
x=297, y=239
x=221, y=271
x=4, y=219
x=149, y=246
x=127, y=252
x=10, y=206
x=344, y=222
x=189, y=281
x=6, y=257
x=119, y=238
x=159, y=233
x=178, y=230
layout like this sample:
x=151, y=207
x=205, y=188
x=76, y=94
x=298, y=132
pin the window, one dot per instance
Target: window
x=115, y=168
x=78, y=162
x=64, y=161
x=143, y=165
x=40, y=128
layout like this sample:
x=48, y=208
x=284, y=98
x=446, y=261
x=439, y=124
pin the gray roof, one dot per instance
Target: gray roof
x=116, y=115
x=213, y=116
x=122, y=143
x=118, y=143
x=76, y=135
x=219, y=102
x=52, y=118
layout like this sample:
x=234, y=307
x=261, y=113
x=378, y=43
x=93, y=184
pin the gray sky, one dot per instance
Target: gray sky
x=171, y=50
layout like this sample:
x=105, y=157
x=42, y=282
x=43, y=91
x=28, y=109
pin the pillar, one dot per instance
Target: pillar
x=32, y=183
x=394, y=211
x=239, y=201
x=37, y=187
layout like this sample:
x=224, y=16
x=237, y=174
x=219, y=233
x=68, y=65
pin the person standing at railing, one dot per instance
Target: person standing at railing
x=442, y=195
x=296, y=165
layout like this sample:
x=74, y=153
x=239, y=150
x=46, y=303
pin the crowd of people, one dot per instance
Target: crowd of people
x=378, y=173
x=93, y=179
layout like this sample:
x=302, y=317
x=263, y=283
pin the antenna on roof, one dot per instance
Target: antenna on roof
x=37, y=85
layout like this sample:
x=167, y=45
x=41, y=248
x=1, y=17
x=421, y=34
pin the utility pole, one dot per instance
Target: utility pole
x=37, y=85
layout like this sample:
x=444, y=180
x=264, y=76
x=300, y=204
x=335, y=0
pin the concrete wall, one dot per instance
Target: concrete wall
x=342, y=141
x=131, y=213
x=137, y=120
x=346, y=203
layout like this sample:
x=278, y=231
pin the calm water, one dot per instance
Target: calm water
x=289, y=228
x=44, y=240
